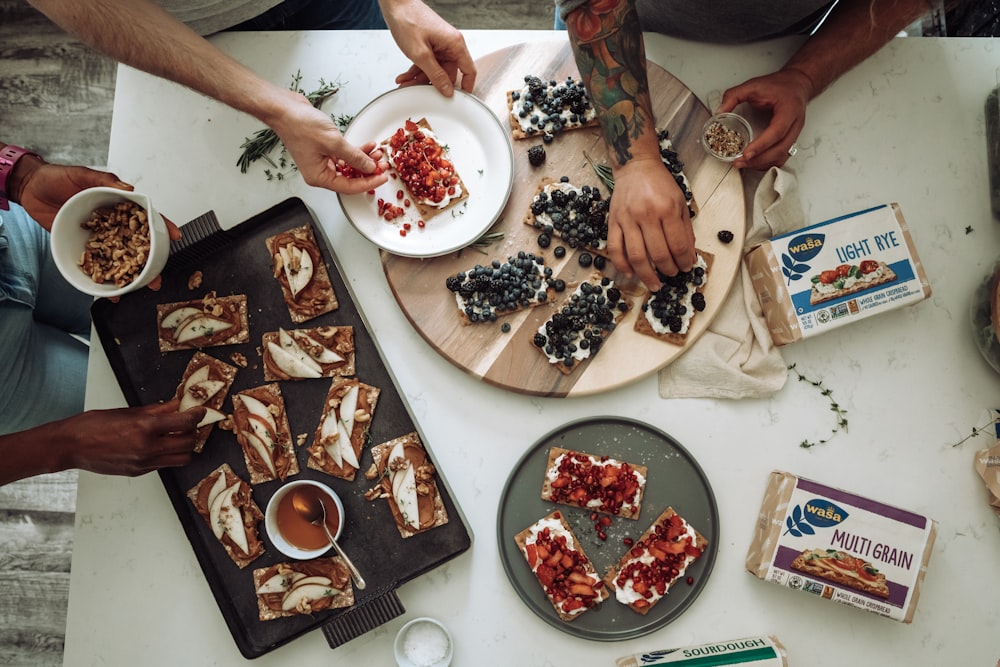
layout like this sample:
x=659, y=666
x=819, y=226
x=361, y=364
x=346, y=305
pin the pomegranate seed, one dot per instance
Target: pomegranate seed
x=690, y=580
x=402, y=232
x=371, y=192
x=628, y=541
x=406, y=226
x=399, y=194
x=421, y=223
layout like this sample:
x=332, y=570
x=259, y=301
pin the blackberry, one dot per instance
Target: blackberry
x=536, y=155
x=725, y=236
x=539, y=340
x=698, y=301
x=453, y=283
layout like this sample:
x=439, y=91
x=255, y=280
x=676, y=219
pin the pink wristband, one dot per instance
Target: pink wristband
x=9, y=155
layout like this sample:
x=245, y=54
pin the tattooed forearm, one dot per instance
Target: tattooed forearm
x=607, y=44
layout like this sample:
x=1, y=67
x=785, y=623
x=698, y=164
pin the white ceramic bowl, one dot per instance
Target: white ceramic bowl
x=271, y=520
x=422, y=641
x=733, y=123
x=68, y=239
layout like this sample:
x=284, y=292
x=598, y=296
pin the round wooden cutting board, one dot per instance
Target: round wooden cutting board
x=509, y=359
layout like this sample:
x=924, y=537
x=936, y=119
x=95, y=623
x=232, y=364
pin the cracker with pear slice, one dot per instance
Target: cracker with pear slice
x=207, y=322
x=207, y=497
x=301, y=272
x=348, y=410
x=281, y=588
x=261, y=427
x=218, y=378
x=431, y=509
x=299, y=354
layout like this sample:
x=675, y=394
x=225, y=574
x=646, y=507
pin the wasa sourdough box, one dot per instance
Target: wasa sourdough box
x=836, y=272
x=839, y=546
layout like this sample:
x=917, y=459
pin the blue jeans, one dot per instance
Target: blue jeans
x=318, y=15
x=43, y=368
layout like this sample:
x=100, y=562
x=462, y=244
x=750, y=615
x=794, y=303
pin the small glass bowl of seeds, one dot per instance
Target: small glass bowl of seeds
x=726, y=135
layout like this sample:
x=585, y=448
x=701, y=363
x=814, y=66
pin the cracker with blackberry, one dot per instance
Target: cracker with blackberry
x=301, y=272
x=425, y=168
x=225, y=502
x=543, y=109
x=578, y=215
x=261, y=427
x=343, y=428
x=302, y=587
x=205, y=383
x=655, y=562
x=484, y=293
x=667, y=313
x=577, y=331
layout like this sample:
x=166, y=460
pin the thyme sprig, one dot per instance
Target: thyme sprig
x=262, y=143
x=976, y=430
x=841, y=422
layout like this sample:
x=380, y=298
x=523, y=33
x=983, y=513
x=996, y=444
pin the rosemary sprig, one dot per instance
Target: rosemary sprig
x=483, y=242
x=260, y=145
x=603, y=172
x=841, y=413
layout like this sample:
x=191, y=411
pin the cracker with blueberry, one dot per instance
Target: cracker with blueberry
x=484, y=293
x=575, y=215
x=543, y=109
x=667, y=313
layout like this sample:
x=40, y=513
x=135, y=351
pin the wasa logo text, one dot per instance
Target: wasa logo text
x=805, y=247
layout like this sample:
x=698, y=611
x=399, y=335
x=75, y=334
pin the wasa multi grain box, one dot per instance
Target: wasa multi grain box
x=836, y=272
x=835, y=545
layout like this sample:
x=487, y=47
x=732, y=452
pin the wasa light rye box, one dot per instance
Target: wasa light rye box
x=836, y=272
x=839, y=546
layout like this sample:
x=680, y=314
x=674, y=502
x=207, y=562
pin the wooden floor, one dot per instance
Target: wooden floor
x=56, y=97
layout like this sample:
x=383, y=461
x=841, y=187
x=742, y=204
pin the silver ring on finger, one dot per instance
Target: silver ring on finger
x=792, y=150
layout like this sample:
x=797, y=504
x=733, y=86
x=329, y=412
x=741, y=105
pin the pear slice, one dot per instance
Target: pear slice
x=308, y=593
x=200, y=374
x=298, y=266
x=172, y=319
x=346, y=448
x=404, y=490
x=227, y=519
x=317, y=352
x=348, y=406
x=257, y=407
x=262, y=449
x=316, y=580
x=294, y=365
x=280, y=583
x=206, y=388
x=218, y=487
x=212, y=416
x=197, y=327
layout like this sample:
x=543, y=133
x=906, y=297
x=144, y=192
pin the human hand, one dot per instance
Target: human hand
x=321, y=153
x=785, y=94
x=436, y=48
x=649, y=226
x=46, y=188
x=129, y=441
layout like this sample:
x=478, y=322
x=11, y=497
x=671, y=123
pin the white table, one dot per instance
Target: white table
x=905, y=126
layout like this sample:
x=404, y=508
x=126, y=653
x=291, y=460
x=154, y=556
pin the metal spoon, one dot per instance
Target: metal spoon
x=313, y=510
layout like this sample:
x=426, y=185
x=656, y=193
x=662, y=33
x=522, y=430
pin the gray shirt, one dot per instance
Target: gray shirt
x=208, y=16
x=723, y=21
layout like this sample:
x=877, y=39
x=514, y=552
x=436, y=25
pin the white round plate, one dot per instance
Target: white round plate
x=480, y=148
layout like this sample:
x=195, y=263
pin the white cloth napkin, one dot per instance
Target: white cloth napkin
x=735, y=358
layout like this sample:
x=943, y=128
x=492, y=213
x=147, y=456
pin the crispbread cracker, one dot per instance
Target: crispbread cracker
x=642, y=324
x=318, y=296
x=283, y=453
x=333, y=568
x=319, y=458
x=438, y=513
x=219, y=370
x=231, y=308
x=428, y=211
x=338, y=339
x=627, y=510
x=251, y=514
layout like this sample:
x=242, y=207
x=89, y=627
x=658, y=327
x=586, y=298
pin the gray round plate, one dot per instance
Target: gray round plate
x=674, y=479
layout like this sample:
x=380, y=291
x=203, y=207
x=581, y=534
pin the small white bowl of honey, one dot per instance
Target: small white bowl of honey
x=290, y=532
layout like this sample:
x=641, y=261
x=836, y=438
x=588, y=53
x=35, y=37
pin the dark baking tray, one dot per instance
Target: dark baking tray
x=236, y=261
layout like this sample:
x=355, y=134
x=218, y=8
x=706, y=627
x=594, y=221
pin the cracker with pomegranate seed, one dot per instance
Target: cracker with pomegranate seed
x=407, y=480
x=205, y=383
x=302, y=587
x=563, y=570
x=301, y=272
x=422, y=162
x=667, y=313
x=595, y=483
x=225, y=502
x=206, y=322
x=343, y=428
x=577, y=330
x=261, y=427
x=299, y=354
x=660, y=557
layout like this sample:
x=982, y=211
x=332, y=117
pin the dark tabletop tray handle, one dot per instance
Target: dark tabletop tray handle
x=194, y=231
x=373, y=612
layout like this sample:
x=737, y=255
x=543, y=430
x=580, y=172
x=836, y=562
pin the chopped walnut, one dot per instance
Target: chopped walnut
x=239, y=359
x=361, y=416
x=300, y=439
x=227, y=423
x=194, y=280
x=372, y=472
x=424, y=472
x=398, y=463
x=423, y=489
x=327, y=332
x=118, y=246
x=375, y=493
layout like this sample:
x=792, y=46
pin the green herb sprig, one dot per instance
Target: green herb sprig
x=976, y=430
x=603, y=172
x=262, y=143
x=841, y=422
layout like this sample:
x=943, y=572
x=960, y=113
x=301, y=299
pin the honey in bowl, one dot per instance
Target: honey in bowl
x=294, y=527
